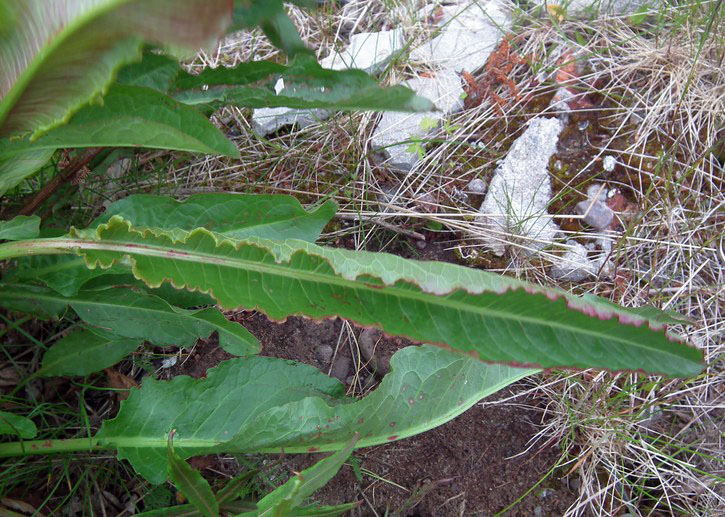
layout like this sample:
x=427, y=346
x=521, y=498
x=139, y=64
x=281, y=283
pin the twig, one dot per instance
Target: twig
x=66, y=175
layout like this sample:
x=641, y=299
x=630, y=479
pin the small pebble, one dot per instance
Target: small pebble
x=477, y=186
x=609, y=163
x=420, y=244
x=341, y=368
x=598, y=215
x=324, y=353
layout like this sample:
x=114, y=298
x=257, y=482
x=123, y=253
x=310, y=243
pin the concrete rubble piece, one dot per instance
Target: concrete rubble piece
x=396, y=131
x=515, y=208
x=575, y=264
x=469, y=33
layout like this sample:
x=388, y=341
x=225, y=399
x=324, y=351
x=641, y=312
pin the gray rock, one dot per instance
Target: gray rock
x=477, y=186
x=368, y=343
x=469, y=33
x=341, y=368
x=518, y=196
x=369, y=51
x=324, y=353
x=575, y=265
x=445, y=91
x=596, y=213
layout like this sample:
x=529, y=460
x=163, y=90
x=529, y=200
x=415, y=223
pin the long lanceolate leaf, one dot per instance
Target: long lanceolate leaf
x=265, y=404
x=492, y=317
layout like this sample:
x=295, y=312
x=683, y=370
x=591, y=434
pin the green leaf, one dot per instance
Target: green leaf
x=234, y=215
x=494, y=317
x=243, y=73
x=132, y=116
x=248, y=14
x=299, y=487
x=262, y=404
x=156, y=71
x=191, y=483
x=31, y=299
x=231, y=215
x=307, y=85
x=63, y=273
x=234, y=486
x=17, y=425
x=84, y=352
x=134, y=314
x=20, y=227
x=283, y=34
x=55, y=57
x=16, y=167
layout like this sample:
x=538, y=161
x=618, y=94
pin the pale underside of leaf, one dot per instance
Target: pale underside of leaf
x=55, y=56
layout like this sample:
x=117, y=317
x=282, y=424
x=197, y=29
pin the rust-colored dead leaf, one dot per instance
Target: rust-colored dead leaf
x=567, y=72
x=201, y=462
x=120, y=382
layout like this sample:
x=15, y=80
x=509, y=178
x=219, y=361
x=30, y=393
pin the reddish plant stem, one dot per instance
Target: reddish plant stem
x=66, y=174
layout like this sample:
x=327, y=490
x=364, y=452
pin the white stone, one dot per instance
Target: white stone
x=369, y=51
x=596, y=214
x=609, y=163
x=445, y=91
x=477, y=186
x=469, y=33
x=574, y=265
x=515, y=208
x=269, y=120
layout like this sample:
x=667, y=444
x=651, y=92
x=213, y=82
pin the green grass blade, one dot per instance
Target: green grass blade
x=297, y=489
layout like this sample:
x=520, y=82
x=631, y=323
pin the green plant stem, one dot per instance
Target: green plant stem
x=31, y=447
x=15, y=249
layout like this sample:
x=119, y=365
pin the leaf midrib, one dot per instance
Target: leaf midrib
x=159, y=251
